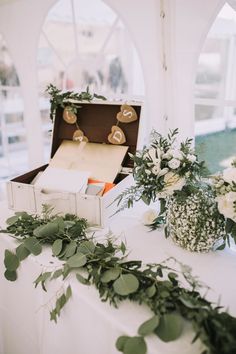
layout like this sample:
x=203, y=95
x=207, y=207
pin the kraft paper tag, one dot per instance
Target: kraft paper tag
x=68, y=116
x=127, y=114
x=117, y=136
x=79, y=136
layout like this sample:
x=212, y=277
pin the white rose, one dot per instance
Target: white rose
x=226, y=205
x=173, y=182
x=229, y=174
x=174, y=163
x=149, y=216
x=191, y=158
x=177, y=154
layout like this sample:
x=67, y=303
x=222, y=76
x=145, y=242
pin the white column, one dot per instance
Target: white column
x=20, y=23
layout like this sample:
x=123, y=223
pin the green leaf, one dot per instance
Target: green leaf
x=135, y=345
x=78, y=260
x=126, y=284
x=170, y=327
x=57, y=247
x=148, y=326
x=70, y=249
x=11, y=261
x=120, y=343
x=47, y=230
x=151, y=291
x=33, y=245
x=61, y=301
x=82, y=280
x=12, y=220
x=111, y=274
x=188, y=303
x=123, y=247
x=57, y=273
x=10, y=275
x=22, y=252
x=42, y=278
x=68, y=293
x=87, y=247
x=53, y=315
x=221, y=247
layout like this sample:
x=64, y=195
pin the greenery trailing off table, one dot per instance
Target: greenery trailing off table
x=117, y=278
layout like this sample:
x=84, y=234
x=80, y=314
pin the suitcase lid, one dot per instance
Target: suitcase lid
x=96, y=120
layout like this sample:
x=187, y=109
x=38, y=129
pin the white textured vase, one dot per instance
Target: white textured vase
x=194, y=222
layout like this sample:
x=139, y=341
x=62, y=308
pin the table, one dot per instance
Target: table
x=86, y=325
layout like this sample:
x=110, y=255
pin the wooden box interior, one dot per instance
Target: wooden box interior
x=95, y=120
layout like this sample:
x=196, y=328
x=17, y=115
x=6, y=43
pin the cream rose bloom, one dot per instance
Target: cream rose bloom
x=174, y=163
x=173, y=182
x=226, y=205
x=149, y=216
x=229, y=174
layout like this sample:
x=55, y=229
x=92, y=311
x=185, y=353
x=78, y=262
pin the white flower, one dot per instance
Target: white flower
x=149, y=216
x=156, y=170
x=163, y=172
x=173, y=182
x=229, y=174
x=191, y=158
x=148, y=172
x=175, y=153
x=226, y=205
x=174, y=163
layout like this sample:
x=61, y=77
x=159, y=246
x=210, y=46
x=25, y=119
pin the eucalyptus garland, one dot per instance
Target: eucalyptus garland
x=62, y=99
x=105, y=266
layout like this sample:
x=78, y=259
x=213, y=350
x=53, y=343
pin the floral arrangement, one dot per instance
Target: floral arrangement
x=163, y=168
x=198, y=211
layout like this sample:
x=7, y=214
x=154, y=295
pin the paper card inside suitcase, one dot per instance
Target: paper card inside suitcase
x=89, y=162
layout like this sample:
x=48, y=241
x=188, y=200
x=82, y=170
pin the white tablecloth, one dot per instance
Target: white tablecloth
x=86, y=325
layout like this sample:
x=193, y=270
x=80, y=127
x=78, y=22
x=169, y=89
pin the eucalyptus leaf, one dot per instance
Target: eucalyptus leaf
x=33, y=245
x=68, y=293
x=151, y=291
x=87, y=247
x=11, y=261
x=12, y=220
x=170, y=327
x=82, y=280
x=70, y=249
x=110, y=274
x=57, y=247
x=10, y=275
x=57, y=273
x=188, y=303
x=149, y=326
x=47, y=230
x=135, y=345
x=126, y=284
x=120, y=343
x=77, y=260
x=22, y=252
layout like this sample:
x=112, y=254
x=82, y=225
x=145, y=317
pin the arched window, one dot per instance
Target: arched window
x=85, y=43
x=215, y=93
x=12, y=131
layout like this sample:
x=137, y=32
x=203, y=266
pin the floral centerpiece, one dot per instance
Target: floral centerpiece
x=198, y=212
